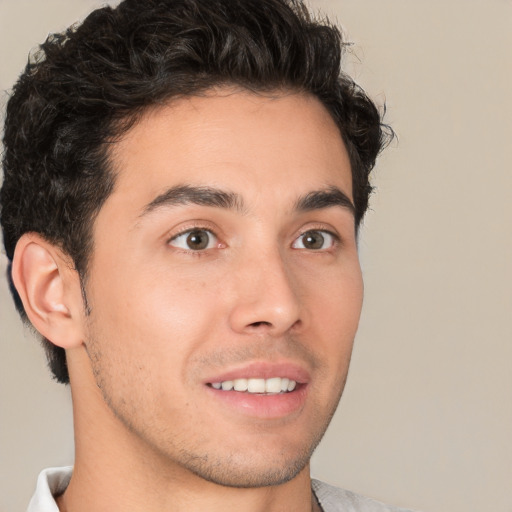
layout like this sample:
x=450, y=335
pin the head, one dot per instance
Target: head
x=83, y=89
x=89, y=90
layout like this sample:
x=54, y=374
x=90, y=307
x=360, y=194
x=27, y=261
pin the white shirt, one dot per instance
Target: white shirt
x=53, y=481
x=50, y=482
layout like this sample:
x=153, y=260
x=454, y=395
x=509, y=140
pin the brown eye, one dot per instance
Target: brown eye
x=198, y=240
x=314, y=240
x=194, y=240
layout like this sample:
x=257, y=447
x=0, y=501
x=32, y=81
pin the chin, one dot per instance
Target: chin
x=249, y=475
x=250, y=468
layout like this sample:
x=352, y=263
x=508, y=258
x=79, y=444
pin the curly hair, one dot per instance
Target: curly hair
x=85, y=87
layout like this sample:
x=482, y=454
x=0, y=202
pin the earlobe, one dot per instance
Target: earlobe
x=50, y=290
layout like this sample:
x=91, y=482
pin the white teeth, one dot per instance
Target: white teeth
x=272, y=385
x=240, y=384
x=227, y=385
x=256, y=386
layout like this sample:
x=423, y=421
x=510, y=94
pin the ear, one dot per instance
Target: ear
x=49, y=288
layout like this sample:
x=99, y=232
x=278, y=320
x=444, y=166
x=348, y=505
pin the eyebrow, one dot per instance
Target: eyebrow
x=319, y=199
x=181, y=195
x=203, y=196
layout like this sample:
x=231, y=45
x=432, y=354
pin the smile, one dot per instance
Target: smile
x=274, y=385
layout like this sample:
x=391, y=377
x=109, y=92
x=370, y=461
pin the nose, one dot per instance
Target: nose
x=266, y=298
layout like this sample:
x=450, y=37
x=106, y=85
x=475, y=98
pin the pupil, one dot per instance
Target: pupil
x=314, y=240
x=197, y=240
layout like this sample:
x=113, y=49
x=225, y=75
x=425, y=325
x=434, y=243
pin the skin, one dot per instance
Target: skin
x=166, y=319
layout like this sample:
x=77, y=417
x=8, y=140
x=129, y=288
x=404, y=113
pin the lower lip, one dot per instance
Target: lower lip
x=261, y=405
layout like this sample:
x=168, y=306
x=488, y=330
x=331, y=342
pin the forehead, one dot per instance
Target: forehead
x=276, y=145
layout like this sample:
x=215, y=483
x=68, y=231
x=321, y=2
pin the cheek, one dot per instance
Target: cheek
x=143, y=332
x=337, y=290
x=334, y=309
x=154, y=310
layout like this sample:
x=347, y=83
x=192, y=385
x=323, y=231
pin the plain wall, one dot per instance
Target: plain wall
x=426, y=418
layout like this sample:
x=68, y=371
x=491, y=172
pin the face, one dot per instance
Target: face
x=225, y=288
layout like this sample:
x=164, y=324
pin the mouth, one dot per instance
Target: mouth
x=260, y=386
x=261, y=389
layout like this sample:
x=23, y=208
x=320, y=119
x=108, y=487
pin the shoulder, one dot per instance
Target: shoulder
x=333, y=499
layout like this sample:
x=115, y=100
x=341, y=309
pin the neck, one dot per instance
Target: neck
x=116, y=470
x=86, y=493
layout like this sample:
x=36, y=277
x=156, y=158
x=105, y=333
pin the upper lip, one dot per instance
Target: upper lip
x=263, y=370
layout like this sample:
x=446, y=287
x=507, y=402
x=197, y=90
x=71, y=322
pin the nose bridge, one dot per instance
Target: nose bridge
x=266, y=292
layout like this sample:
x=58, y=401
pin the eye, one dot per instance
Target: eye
x=194, y=240
x=315, y=240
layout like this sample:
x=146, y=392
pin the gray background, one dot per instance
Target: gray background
x=426, y=419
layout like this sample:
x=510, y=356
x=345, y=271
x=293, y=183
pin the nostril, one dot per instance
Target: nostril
x=258, y=324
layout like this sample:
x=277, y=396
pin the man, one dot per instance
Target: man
x=184, y=182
